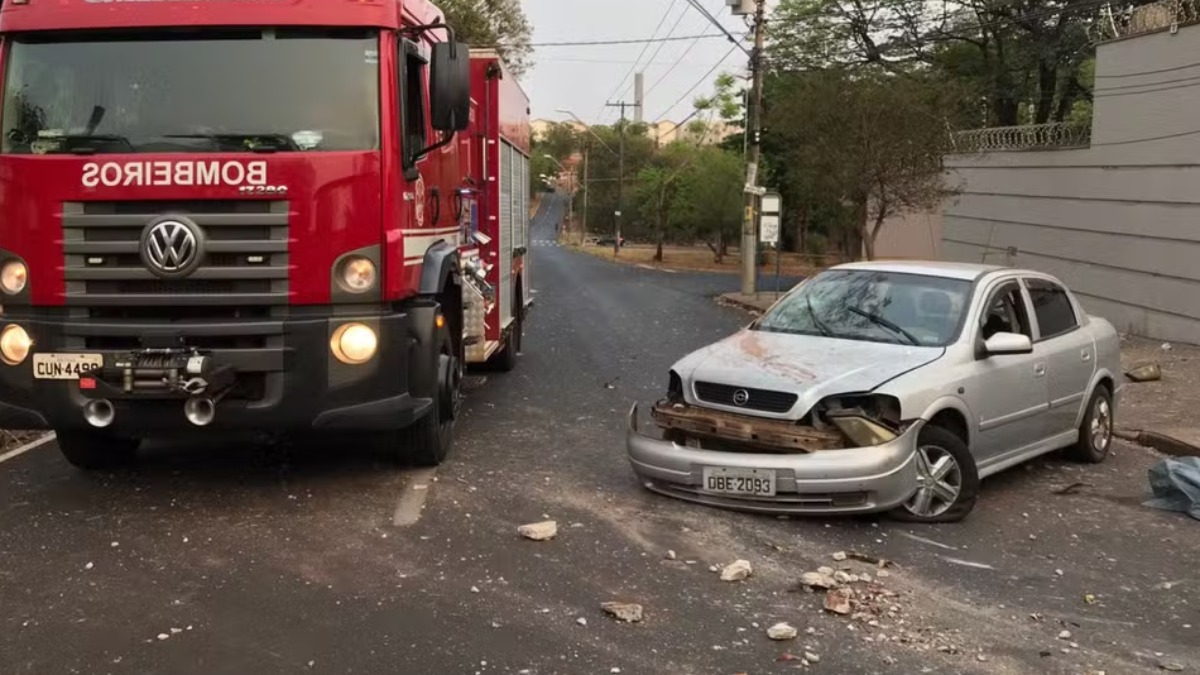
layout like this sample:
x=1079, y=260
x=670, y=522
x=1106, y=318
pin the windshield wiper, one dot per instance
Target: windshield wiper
x=68, y=142
x=250, y=142
x=880, y=321
x=817, y=322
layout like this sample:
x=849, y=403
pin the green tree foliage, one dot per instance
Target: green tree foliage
x=602, y=189
x=999, y=53
x=857, y=148
x=710, y=197
x=493, y=22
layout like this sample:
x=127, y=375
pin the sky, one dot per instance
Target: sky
x=582, y=78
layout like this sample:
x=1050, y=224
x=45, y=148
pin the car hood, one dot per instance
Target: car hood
x=812, y=367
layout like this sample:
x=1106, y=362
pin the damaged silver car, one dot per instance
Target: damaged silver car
x=885, y=387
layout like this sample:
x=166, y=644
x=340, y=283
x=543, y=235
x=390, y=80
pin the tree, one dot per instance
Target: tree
x=710, y=197
x=498, y=23
x=870, y=143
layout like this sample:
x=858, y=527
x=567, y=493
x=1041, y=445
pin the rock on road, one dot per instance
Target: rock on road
x=320, y=558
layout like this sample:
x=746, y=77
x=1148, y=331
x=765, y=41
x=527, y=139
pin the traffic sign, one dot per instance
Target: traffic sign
x=769, y=229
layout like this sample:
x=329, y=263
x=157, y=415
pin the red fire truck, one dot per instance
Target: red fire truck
x=281, y=216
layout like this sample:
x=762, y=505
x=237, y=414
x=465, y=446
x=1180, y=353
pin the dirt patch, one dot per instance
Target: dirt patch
x=701, y=259
x=1167, y=405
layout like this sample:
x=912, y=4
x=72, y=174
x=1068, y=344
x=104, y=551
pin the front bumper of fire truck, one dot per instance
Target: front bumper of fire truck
x=278, y=375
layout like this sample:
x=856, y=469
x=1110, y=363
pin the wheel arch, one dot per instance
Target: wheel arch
x=952, y=414
x=1102, y=377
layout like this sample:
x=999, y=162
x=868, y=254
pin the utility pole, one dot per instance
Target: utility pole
x=754, y=125
x=620, y=175
x=586, y=189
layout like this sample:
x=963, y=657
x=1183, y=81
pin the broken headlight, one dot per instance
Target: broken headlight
x=674, y=388
x=866, y=420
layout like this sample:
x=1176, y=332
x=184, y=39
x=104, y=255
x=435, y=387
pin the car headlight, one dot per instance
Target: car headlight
x=862, y=432
x=14, y=345
x=13, y=277
x=357, y=275
x=354, y=344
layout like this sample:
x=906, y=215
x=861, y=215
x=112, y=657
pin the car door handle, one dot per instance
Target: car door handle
x=1039, y=370
x=1086, y=355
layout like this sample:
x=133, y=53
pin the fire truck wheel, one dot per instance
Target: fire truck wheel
x=507, y=359
x=428, y=441
x=96, y=451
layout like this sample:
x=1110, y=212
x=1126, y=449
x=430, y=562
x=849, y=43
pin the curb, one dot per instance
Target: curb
x=32, y=445
x=724, y=299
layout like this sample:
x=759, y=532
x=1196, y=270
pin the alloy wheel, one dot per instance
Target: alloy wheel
x=940, y=482
x=1102, y=423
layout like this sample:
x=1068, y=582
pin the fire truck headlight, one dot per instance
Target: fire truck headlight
x=354, y=344
x=13, y=277
x=14, y=345
x=357, y=275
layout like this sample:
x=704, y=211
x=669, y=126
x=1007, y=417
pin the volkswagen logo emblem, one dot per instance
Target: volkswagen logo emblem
x=741, y=397
x=172, y=247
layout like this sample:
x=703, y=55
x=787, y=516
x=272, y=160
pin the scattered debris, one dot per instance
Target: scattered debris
x=1165, y=444
x=782, y=631
x=176, y=631
x=982, y=657
x=1058, y=572
x=582, y=621
x=1171, y=666
x=839, y=556
x=714, y=568
x=670, y=555
x=1072, y=488
x=826, y=570
x=931, y=542
x=1166, y=346
x=786, y=657
x=736, y=571
x=811, y=657
x=818, y=580
x=474, y=589
x=163, y=636
x=1065, y=635
x=623, y=611
x=1148, y=371
x=543, y=531
x=883, y=574
x=89, y=566
x=844, y=577
x=838, y=602
x=1089, y=598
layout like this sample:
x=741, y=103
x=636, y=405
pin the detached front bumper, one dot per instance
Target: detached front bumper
x=857, y=480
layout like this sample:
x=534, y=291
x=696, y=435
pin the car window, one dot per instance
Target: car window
x=1053, y=308
x=876, y=306
x=1005, y=312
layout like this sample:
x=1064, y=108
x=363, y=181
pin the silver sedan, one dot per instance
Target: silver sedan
x=885, y=387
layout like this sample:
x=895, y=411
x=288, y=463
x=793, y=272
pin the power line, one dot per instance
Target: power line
x=1148, y=72
x=1147, y=91
x=606, y=43
x=713, y=20
x=1142, y=85
x=672, y=68
x=1133, y=141
x=657, y=51
x=645, y=48
x=702, y=80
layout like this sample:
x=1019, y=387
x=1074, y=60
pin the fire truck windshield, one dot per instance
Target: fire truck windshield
x=194, y=91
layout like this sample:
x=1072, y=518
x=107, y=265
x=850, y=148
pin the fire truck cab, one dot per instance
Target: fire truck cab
x=262, y=216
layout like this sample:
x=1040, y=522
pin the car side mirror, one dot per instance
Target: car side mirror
x=450, y=86
x=1008, y=343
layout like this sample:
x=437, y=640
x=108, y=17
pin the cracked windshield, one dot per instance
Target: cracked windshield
x=533, y=337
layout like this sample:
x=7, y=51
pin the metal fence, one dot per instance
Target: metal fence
x=1124, y=21
x=1027, y=137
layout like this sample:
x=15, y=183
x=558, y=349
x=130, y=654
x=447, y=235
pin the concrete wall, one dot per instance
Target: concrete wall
x=1119, y=221
x=916, y=235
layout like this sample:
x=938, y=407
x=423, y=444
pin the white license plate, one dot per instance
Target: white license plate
x=64, y=366
x=753, y=482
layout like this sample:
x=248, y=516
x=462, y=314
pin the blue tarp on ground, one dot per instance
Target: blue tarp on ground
x=1175, y=486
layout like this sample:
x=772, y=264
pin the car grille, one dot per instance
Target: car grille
x=233, y=305
x=759, y=399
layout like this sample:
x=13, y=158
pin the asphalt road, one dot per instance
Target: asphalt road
x=320, y=558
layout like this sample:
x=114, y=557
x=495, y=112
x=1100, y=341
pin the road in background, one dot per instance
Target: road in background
x=235, y=558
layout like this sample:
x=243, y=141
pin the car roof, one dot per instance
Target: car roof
x=933, y=268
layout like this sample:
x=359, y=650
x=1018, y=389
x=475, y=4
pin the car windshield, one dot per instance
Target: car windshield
x=204, y=91
x=875, y=306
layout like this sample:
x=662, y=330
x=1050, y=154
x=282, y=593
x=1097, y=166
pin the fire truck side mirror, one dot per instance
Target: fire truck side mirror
x=450, y=86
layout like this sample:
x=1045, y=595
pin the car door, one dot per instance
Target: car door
x=1008, y=394
x=1070, y=352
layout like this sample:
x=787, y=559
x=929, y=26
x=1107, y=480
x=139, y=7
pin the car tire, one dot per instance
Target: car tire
x=97, y=451
x=1095, y=431
x=949, y=480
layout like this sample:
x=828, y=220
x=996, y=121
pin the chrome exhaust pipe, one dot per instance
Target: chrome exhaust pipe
x=99, y=413
x=200, y=410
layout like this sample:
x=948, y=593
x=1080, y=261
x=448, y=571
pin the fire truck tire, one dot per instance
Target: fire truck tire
x=95, y=451
x=429, y=440
x=506, y=361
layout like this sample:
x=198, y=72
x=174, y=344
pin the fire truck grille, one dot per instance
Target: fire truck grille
x=233, y=305
x=245, y=255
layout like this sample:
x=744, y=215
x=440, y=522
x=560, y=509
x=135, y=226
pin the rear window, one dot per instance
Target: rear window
x=1053, y=308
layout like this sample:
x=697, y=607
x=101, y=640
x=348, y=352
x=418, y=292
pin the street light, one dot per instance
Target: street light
x=620, y=176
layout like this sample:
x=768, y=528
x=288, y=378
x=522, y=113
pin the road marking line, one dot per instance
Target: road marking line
x=412, y=502
x=931, y=542
x=32, y=445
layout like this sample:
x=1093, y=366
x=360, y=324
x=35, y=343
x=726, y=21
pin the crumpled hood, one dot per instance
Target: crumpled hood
x=812, y=367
